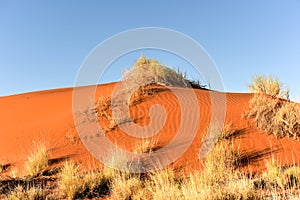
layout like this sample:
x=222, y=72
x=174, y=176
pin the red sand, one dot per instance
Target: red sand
x=46, y=117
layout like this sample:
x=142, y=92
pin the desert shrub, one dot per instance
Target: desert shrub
x=135, y=86
x=125, y=186
x=273, y=176
x=221, y=162
x=268, y=85
x=37, y=160
x=150, y=71
x=287, y=120
x=263, y=110
x=292, y=177
x=163, y=184
x=21, y=193
x=145, y=146
x=146, y=71
x=220, y=178
x=74, y=184
x=70, y=183
x=271, y=114
x=277, y=177
x=278, y=117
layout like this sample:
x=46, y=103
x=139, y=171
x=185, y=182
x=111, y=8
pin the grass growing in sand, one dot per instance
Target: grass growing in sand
x=220, y=178
x=74, y=183
x=37, y=160
x=268, y=85
x=2, y=167
x=275, y=116
x=21, y=193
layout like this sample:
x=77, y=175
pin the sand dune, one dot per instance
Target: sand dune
x=46, y=116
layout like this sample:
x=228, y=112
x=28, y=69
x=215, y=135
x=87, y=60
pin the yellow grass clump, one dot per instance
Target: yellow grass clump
x=287, y=120
x=37, y=160
x=21, y=193
x=145, y=146
x=268, y=85
x=274, y=115
x=74, y=184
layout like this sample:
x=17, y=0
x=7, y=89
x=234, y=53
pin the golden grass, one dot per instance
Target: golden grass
x=70, y=182
x=219, y=179
x=268, y=85
x=277, y=117
x=14, y=173
x=2, y=168
x=163, y=184
x=21, y=193
x=145, y=146
x=125, y=186
x=146, y=71
x=287, y=120
x=279, y=182
x=37, y=160
x=74, y=183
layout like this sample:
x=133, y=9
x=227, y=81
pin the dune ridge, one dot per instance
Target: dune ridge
x=46, y=116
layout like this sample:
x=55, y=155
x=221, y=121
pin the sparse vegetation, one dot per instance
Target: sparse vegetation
x=145, y=146
x=73, y=183
x=268, y=85
x=274, y=115
x=287, y=120
x=37, y=160
x=219, y=179
x=1, y=168
x=21, y=193
x=136, y=83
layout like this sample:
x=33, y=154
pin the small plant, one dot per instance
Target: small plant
x=14, y=173
x=37, y=160
x=275, y=116
x=221, y=162
x=263, y=110
x=70, y=183
x=72, y=138
x=271, y=114
x=75, y=184
x=2, y=168
x=273, y=177
x=145, y=146
x=32, y=193
x=287, y=120
x=163, y=184
x=292, y=177
x=125, y=186
x=268, y=85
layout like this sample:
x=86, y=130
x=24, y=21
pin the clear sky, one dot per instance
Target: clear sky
x=43, y=43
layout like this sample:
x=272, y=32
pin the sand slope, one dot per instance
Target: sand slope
x=46, y=116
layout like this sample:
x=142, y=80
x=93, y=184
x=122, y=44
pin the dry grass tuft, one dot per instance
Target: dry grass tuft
x=74, y=184
x=278, y=117
x=145, y=146
x=2, y=168
x=37, y=160
x=268, y=85
x=271, y=114
x=125, y=186
x=163, y=184
x=32, y=193
x=263, y=110
x=277, y=178
x=70, y=183
x=287, y=120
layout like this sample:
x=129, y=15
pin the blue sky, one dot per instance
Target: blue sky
x=43, y=43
